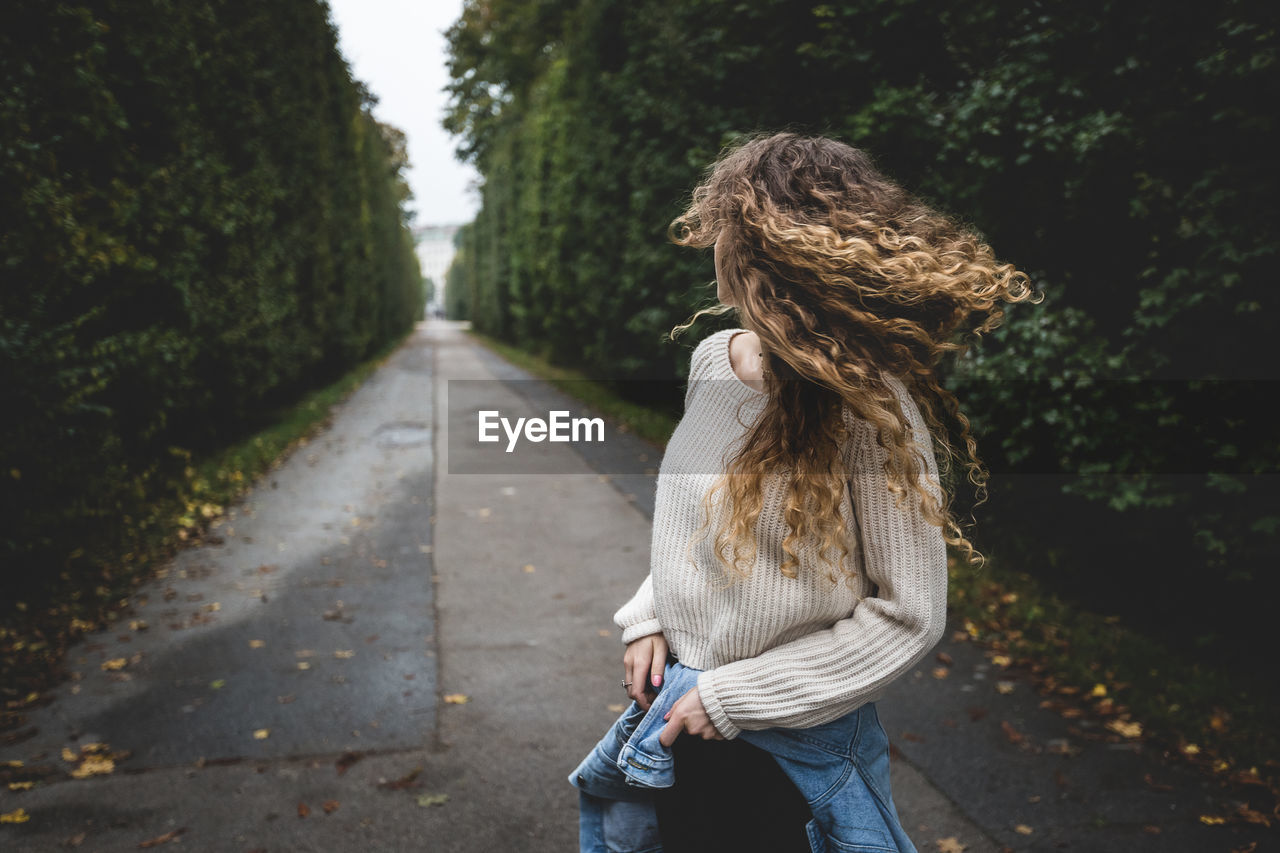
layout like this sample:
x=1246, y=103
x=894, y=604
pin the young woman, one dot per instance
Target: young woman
x=808, y=445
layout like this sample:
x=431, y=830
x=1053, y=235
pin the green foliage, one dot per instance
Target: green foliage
x=1120, y=153
x=203, y=221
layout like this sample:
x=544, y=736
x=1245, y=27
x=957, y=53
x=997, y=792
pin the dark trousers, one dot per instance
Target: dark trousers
x=731, y=796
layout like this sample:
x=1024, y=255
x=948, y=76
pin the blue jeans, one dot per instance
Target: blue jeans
x=841, y=768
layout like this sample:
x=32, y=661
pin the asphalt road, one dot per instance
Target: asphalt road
x=380, y=649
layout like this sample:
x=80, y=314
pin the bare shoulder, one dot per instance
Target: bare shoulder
x=743, y=345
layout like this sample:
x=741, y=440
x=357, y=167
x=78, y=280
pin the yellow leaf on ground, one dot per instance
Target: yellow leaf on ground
x=1212, y=819
x=426, y=800
x=616, y=708
x=261, y=734
x=257, y=644
x=21, y=786
x=68, y=755
x=1001, y=660
x=1004, y=686
x=1023, y=829
x=15, y=816
x=344, y=654
x=1127, y=729
x=1191, y=749
x=114, y=664
x=941, y=672
x=950, y=844
x=303, y=665
x=93, y=766
x=457, y=699
x=1098, y=690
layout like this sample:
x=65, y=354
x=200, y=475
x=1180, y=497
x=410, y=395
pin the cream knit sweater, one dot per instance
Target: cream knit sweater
x=781, y=652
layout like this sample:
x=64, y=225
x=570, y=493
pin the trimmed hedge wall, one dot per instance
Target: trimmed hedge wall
x=1120, y=152
x=202, y=221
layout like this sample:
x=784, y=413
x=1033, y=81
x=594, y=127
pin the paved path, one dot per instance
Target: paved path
x=302, y=663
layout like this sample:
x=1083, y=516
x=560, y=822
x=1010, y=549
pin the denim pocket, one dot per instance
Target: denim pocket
x=852, y=840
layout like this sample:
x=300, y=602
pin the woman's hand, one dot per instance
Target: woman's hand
x=643, y=665
x=688, y=715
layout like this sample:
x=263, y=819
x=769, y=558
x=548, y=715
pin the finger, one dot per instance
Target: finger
x=658, y=665
x=636, y=675
x=671, y=731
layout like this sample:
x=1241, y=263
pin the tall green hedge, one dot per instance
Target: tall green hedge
x=202, y=220
x=1120, y=151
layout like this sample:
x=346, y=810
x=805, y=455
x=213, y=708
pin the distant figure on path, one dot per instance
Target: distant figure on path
x=816, y=424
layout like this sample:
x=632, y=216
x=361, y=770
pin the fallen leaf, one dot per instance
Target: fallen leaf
x=114, y=664
x=1190, y=749
x=1098, y=690
x=330, y=806
x=303, y=665
x=529, y=569
x=1252, y=815
x=405, y=781
x=950, y=844
x=171, y=835
x=218, y=684
x=426, y=800
x=1127, y=729
x=303, y=810
x=1212, y=820
x=1004, y=686
x=15, y=816
x=257, y=644
x=1014, y=736
x=346, y=760
x=1034, y=798
x=1023, y=829
x=944, y=658
x=456, y=699
x=1001, y=660
x=1151, y=829
x=615, y=708
x=605, y=632
x=941, y=672
x=261, y=734
x=21, y=786
x=93, y=766
x=68, y=755
x=138, y=625
x=344, y=654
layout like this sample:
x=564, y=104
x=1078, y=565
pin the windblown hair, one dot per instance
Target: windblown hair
x=843, y=275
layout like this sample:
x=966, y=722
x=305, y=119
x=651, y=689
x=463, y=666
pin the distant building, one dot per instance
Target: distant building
x=435, y=253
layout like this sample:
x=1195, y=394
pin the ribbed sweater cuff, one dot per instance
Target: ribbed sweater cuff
x=641, y=629
x=711, y=702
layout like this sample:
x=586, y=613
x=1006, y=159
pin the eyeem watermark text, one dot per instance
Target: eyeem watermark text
x=558, y=427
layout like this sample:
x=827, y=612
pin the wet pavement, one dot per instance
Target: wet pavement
x=372, y=653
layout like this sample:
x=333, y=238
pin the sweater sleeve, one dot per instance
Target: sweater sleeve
x=824, y=675
x=638, y=618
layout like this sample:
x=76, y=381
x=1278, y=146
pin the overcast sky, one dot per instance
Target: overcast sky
x=397, y=48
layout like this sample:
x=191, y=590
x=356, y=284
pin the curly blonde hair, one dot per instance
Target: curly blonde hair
x=842, y=274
